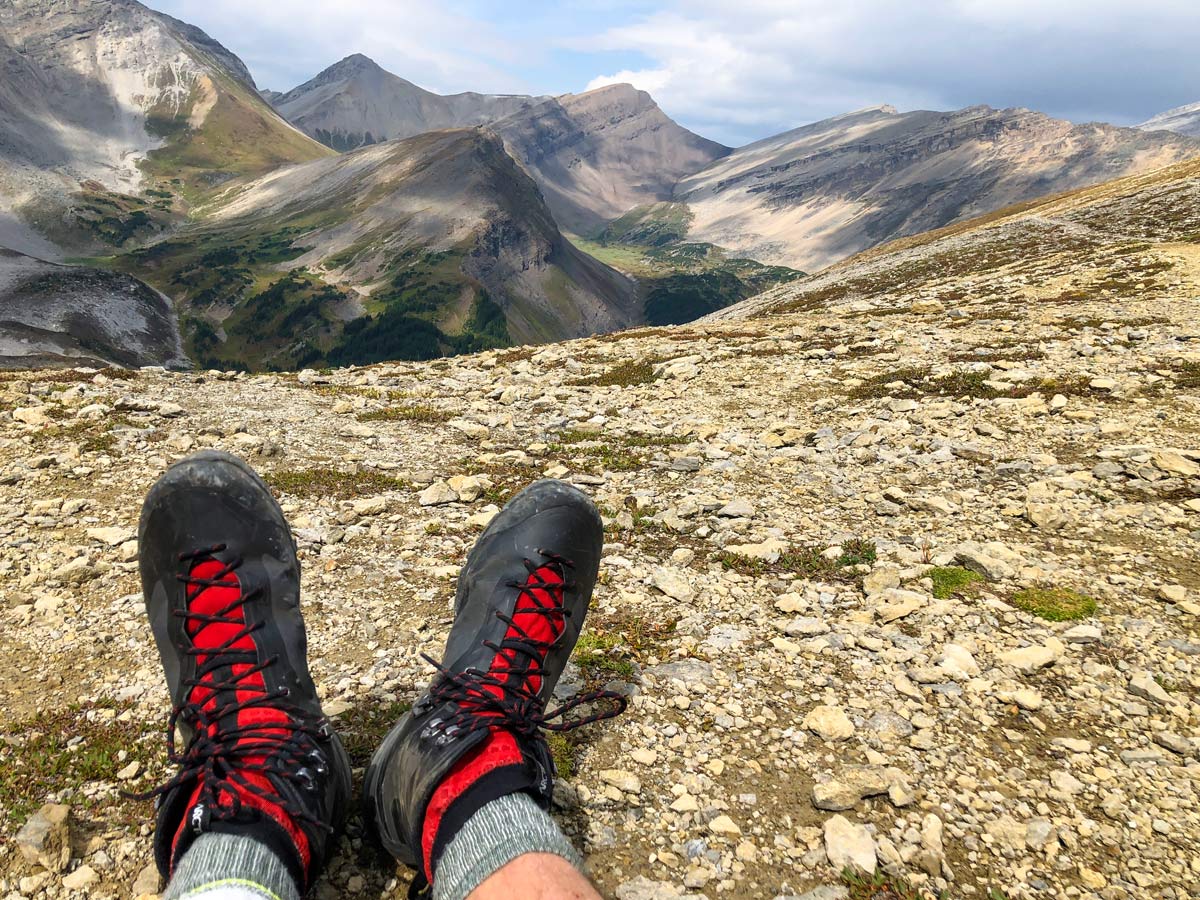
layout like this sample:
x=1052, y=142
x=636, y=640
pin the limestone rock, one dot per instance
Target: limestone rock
x=830, y=723
x=438, y=494
x=45, y=839
x=847, y=844
x=1030, y=659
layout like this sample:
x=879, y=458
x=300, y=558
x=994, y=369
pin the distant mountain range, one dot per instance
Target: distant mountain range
x=1182, y=120
x=359, y=217
x=810, y=197
x=595, y=155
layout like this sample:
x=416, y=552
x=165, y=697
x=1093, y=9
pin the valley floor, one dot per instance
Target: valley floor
x=926, y=489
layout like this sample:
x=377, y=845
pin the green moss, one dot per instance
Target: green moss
x=951, y=580
x=627, y=374
x=606, y=456
x=879, y=886
x=915, y=383
x=68, y=748
x=331, y=483
x=410, y=412
x=1055, y=604
x=564, y=750
x=1187, y=375
x=599, y=657
x=807, y=562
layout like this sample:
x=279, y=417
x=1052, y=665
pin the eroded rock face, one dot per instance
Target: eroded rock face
x=73, y=315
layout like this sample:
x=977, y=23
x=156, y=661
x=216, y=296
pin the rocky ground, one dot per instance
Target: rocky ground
x=900, y=578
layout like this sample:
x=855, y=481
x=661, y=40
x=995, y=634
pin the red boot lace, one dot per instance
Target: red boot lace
x=505, y=697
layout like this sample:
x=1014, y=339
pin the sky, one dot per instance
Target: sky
x=739, y=70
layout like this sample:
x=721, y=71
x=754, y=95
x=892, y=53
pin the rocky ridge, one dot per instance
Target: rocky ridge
x=816, y=195
x=76, y=315
x=898, y=577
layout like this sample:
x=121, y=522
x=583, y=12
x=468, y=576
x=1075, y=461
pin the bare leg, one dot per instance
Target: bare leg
x=536, y=876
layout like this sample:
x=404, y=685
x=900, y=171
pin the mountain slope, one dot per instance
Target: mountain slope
x=1113, y=252
x=356, y=102
x=124, y=101
x=598, y=154
x=408, y=249
x=74, y=315
x=1181, y=120
x=820, y=193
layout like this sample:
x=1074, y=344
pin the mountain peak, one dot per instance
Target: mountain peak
x=355, y=62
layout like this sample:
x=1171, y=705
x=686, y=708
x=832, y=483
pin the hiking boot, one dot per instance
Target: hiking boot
x=222, y=590
x=475, y=735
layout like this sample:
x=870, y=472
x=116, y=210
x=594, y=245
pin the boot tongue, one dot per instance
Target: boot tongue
x=537, y=623
x=226, y=638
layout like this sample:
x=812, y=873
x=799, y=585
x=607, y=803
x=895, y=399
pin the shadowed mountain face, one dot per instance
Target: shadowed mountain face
x=107, y=97
x=1181, y=120
x=815, y=195
x=355, y=102
x=599, y=154
x=408, y=249
x=73, y=315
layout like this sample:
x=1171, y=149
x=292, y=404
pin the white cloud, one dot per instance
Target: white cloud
x=735, y=69
x=436, y=45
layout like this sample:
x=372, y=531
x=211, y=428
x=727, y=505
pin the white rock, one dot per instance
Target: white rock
x=32, y=415
x=880, y=579
x=80, y=878
x=737, y=508
x=957, y=662
x=1174, y=463
x=829, y=722
x=768, y=551
x=898, y=603
x=623, y=781
x=724, y=825
x=468, y=487
x=1030, y=659
x=847, y=844
x=370, y=506
x=438, y=494
x=110, y=536
x=1143, y=685
x=672, y=583
x=1083, y=634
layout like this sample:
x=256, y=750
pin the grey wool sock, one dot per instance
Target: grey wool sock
x=228, y=866
x=493, y=837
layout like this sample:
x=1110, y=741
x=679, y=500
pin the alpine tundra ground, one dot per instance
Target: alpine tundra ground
x=905, y=577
